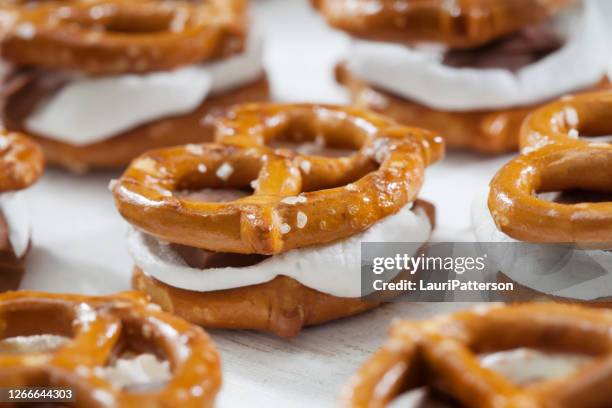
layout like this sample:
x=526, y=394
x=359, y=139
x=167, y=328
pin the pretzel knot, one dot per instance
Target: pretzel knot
x=458, y=24
x=555, y=159
x=100, y=328
x=441, y=353
x=21, y=161
x=116, y=36
x=297, y=200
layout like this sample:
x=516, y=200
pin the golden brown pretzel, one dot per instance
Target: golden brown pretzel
x=116, y=36
x=519, y=213
x=562, y=122
x=337, y=198
x=489, y=132
x=458, y=24
x=282, y=306
x=21, y=161
x=555, y=159
x=100, y=328
x=441, y=353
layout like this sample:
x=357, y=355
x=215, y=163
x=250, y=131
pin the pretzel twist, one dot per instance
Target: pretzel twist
x=445, y=348
x=562, y=122
x=388, y=169
x=99, y=327
x=21, y=161
x=459, y=24
x=117, y=36
x=554, y=159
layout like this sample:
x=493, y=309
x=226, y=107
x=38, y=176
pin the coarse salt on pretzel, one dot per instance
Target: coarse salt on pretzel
x=519, y=213
x=293, y=205
x=99, y=328
x=458, y=24
x=441, y=353
x=117, y=36
x=554, y=159
x=21, y=161
x=564, y=121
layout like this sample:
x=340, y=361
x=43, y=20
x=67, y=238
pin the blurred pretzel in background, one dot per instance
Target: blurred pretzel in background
x=99, y=330
x=106, y=37
x=462, y=24
x=555, y=158
x=443, y=354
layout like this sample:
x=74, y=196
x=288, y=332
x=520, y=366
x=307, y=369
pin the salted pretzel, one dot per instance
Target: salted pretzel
x=442, y=352
x=457, y=24
x=297, y=200
x=562, y=122
x=21, y=161
x=117, y=36
x=100, y=328
x=555, y=159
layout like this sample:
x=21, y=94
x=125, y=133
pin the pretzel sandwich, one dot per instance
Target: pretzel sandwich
x=442, y=353
x=299, y=202
x=21, y=165
x=97, y=332
x=555, y=159
x=492, y=62
x=65, y=54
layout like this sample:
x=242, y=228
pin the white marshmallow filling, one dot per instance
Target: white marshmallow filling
x=423, y=77
x=334, y=268
x=87, y=110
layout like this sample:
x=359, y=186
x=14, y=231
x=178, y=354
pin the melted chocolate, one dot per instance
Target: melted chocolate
x=513, y=52
x=202, y=259
x=11, y=267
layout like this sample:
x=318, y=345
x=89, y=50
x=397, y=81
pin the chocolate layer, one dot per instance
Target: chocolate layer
x=513, y=52
x=11, y=267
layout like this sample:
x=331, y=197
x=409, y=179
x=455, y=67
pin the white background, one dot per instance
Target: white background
x=79, y=240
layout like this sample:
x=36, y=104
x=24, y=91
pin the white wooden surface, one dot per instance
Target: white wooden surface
x=79, y=241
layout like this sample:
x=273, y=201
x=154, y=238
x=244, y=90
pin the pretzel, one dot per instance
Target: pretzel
x=21, y=161
x=118, y=36
x=101, y=328
x=487, y=132
x=555, y=160
x=562, y=122
x=441, y=353
x=297, y=201
x=282, y=306
x=458, y=24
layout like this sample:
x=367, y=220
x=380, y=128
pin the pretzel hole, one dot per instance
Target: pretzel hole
x=139, y=362
x=585, y=122
x=217, y=195
x=582, y=170
x=527, y=366
x=323, y=133
x=218, y=180
x=576, y=197
x=36, y=327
